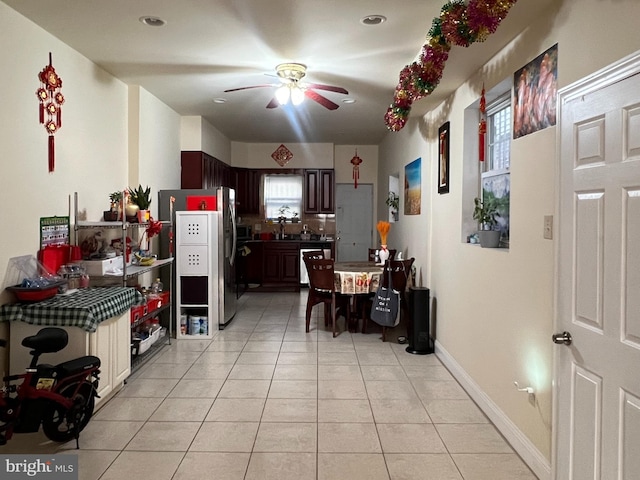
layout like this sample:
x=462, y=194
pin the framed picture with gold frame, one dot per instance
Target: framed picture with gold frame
x=443, y=158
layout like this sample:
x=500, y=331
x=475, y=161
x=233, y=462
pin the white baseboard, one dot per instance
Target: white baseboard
x=520, y=443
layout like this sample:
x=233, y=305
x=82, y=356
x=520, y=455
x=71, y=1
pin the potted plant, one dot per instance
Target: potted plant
x=113, y=214
x=142, y=198
x=485, y=212
x=393, y=202
x=294, y=217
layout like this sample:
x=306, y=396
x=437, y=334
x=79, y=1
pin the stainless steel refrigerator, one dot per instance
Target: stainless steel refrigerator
x=226, y=204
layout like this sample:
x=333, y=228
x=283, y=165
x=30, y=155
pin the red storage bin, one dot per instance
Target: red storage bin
x=137, y=312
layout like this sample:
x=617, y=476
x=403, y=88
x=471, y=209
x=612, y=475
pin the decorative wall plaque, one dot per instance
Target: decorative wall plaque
x=282, y=155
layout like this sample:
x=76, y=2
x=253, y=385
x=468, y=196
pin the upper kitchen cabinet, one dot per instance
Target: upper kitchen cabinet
x=247, y=186
x=319, y=191
x=200, y=170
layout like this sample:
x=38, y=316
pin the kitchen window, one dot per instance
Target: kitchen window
x=282, y=190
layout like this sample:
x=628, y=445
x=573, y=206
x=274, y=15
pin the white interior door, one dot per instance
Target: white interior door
x=597, y=403
x=354, y=221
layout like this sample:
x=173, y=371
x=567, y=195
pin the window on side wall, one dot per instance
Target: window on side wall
x=495, y=180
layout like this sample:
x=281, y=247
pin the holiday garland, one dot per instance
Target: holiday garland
x=459, y=24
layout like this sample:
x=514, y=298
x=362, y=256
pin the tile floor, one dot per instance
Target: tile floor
x=264, y=400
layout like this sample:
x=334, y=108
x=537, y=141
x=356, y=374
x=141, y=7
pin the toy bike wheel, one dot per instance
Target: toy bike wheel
x=60, y=424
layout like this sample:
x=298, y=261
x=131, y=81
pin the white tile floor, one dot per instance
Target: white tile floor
x=264, y=400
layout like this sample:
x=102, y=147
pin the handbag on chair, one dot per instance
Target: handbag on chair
x=386, y=305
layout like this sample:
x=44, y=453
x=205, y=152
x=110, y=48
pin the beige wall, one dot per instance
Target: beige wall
x=494, y=308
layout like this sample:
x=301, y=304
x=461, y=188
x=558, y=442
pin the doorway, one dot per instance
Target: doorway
x=354, y=221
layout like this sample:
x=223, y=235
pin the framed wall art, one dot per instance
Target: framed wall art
x=443, y=158
x=412, y=188
x=534, y=94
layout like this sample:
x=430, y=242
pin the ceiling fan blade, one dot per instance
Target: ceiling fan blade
x=247, y=88
x=273, y=103
x=330, y=88
x=324, y=101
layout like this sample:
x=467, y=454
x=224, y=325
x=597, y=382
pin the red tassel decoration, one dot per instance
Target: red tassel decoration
x=482, y=127
x=52, y=153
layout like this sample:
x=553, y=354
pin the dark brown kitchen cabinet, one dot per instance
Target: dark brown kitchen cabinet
x=319, y=191
x=200, y=170
x=281, y=265
x=247, y=186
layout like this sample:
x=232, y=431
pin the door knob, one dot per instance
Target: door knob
x=563, y=338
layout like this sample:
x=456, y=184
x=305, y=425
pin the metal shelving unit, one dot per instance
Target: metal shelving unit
x=133, y=271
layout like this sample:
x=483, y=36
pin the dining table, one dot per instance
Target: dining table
x=358, y=280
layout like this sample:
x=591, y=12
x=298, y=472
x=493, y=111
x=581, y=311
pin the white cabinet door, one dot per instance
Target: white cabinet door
x=112, y=344
x=100, y=345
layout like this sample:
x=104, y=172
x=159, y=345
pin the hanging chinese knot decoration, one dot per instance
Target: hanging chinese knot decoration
x=51, y=100
x=482, y=126
x=356, y=161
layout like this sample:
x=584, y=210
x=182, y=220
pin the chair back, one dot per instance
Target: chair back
x=400, y=271
x=372, y=254
x=321, y=275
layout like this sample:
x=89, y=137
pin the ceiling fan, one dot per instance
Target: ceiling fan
x=292, y=89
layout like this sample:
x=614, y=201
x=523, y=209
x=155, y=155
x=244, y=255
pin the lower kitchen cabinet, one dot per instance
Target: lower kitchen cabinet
x=281, y=265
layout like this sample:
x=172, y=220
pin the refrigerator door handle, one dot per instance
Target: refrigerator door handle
x=232, y=257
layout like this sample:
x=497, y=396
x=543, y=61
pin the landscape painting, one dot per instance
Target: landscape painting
x=412, y=188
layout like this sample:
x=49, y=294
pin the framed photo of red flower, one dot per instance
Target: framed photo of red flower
x=443, y=158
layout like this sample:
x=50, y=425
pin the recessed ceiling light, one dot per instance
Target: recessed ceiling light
x=373, y=20
x=152, y=21
x=348, y=100
x=219, y=100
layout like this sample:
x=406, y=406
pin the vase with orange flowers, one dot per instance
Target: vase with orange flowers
x=383, y=230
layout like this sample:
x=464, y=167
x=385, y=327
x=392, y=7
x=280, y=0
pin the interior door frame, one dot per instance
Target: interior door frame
x=614, y=73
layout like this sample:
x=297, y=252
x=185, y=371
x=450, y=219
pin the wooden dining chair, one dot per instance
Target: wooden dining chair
x=322, y=290
x=400, y=271
x=372, y=254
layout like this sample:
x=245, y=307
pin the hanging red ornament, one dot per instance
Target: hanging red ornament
x=356, y=161
x=482, y=127
x=51, y=99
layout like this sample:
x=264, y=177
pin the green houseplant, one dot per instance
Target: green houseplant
x=141, y=197
x=485, y=212
x=393, y=202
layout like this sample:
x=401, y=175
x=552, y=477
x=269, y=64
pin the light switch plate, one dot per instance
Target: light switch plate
x=547, y=231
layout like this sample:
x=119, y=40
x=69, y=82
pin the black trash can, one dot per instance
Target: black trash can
x=418, y=328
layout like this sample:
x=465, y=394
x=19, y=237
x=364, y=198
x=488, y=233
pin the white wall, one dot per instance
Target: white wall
x=91, y=146
x=494, y=308
x=154, y=139
x=98, y=150
x=305, y=155
x=199, y=135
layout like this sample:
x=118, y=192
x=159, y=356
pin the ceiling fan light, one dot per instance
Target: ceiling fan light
x=297, y=95
x=282, y=94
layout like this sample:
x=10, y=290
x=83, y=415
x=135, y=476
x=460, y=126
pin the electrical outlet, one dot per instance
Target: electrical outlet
x=547, y=231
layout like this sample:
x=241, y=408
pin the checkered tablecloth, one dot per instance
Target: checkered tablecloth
x=84, y=308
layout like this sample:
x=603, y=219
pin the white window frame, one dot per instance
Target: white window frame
x=496, y=169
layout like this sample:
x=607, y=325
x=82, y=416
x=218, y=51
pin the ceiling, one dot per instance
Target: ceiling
x=208, y=46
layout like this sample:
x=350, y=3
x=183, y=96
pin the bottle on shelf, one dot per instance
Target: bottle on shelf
x=156, y=287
